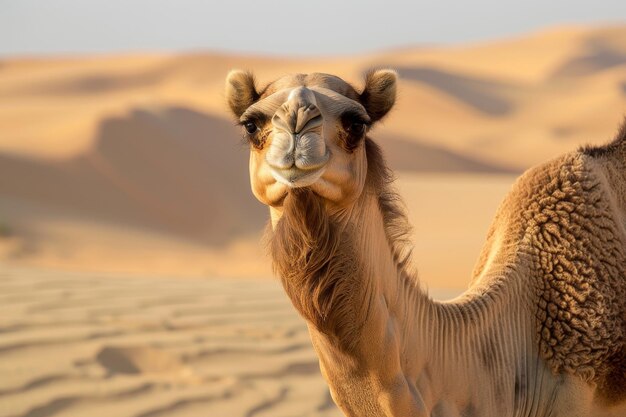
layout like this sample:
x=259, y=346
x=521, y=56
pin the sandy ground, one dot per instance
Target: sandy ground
x=109, y=345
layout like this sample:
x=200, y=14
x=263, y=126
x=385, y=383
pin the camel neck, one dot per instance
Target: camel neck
x=336, y=267
x=346, y=278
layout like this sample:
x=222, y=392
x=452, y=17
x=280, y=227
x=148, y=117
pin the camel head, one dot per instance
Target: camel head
x=308, y=130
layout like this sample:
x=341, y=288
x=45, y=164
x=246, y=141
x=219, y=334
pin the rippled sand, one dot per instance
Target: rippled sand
x=96, y=345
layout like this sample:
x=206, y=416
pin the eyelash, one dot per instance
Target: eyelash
x=246, y=126
x=256, y=138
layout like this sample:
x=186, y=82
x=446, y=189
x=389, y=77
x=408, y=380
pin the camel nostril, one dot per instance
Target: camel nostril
x=298, y=113
x=297, y=149
x=298, y=120
x=308, y=118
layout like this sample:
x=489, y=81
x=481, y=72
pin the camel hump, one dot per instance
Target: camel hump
x=617, y=147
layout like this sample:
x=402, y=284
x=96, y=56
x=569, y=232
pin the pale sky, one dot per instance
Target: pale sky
x=285, y=27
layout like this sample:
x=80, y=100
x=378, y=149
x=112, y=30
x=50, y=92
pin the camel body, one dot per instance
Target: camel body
x=541, y=330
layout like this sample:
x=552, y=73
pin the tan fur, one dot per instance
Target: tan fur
x=540, y=332
x=241, y=91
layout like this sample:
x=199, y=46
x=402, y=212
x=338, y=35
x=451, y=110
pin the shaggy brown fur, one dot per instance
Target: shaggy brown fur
x=580, y=279
x=315, y=256
x=318, y=266
x=397, y=227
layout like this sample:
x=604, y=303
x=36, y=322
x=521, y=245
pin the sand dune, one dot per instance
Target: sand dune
x=175, y=170
x=161, y=170
x=405, y=155
x=484, y=95
x=143, y=143
x=602, y=51
x=70, y=97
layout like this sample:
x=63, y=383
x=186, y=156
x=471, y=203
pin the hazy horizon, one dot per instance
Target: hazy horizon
x=29, y=27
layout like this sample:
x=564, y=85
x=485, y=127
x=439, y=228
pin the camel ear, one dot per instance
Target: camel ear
x=379, y=93
x=240, y=91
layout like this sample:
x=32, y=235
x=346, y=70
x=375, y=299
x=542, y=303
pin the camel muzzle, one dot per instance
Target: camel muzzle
x=297, y=154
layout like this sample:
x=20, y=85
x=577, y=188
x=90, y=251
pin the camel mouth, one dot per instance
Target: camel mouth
x=295, y=177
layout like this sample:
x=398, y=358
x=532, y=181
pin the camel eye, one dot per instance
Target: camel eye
x=250, y=127
x=357, y=128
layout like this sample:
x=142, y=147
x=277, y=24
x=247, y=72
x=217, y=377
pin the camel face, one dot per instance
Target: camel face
x=308, y=130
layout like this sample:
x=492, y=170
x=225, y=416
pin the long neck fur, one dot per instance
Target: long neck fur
x=331, y=265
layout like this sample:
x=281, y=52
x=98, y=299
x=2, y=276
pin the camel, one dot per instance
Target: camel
x=541, y=329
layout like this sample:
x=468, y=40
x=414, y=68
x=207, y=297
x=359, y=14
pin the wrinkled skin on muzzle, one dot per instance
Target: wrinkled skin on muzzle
x=297, y=153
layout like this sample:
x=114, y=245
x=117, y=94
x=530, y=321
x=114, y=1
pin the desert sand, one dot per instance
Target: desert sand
x=101, y=345
x=132, y=278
